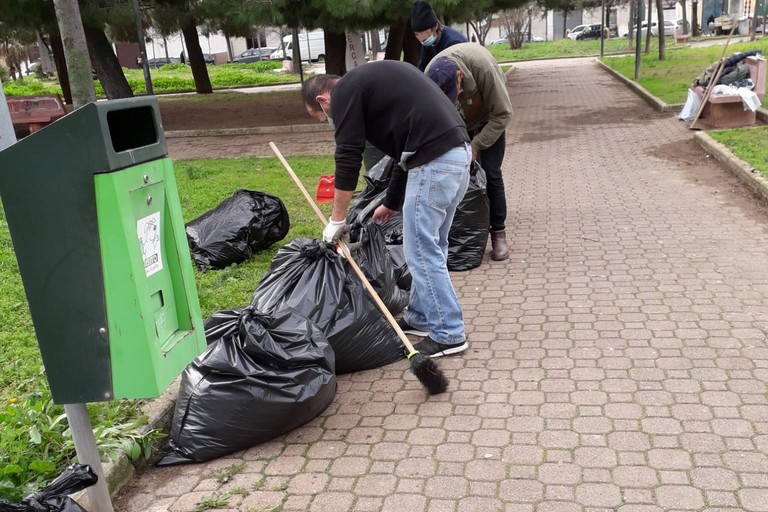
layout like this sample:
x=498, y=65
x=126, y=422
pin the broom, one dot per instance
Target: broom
x=424, y=368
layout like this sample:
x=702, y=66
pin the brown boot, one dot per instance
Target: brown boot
x=500, y=249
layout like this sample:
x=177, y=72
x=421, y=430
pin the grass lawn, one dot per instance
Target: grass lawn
x=748, y=144
x=669, y=80
x=562, y=48
x=170, y=78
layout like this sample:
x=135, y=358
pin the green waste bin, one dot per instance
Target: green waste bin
x=94, y=215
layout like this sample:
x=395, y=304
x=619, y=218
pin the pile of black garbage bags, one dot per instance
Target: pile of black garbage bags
x=271, y=366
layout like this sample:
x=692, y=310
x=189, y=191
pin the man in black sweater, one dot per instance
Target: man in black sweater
x=403, y=113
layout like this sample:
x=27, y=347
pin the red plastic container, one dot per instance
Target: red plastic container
x=325, y=189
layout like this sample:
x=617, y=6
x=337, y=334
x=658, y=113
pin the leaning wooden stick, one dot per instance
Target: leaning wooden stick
x=713, y=81
x=424, y=368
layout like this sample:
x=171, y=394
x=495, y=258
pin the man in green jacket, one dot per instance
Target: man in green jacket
x=472, y=79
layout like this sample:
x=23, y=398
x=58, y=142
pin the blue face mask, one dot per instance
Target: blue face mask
x=430, y=41
x=328, y=118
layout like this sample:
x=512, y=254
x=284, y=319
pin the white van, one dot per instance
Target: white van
x=311, y=47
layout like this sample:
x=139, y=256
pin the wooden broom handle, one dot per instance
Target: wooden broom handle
x=345, y=251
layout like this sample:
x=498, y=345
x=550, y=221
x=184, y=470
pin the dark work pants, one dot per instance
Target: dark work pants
x=490, y=160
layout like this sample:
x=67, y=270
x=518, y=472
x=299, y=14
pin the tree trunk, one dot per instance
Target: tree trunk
x=7, y=133
x=107, y=66
x=195, y=57
x=695, y=18
x=648, y=27
x=411, y=45
x=565, y=21
x=57, y=49
x=335, y=53
x=683, y=3
x=75, y=51
x=630, y=28
x=229, y=47
x=395, y=43
x=662, y=35
x=375, y=43
x=753, y=27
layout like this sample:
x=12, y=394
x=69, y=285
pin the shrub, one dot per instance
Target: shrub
x=36, y=443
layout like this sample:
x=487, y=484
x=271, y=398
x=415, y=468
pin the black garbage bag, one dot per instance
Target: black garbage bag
x=55, y=496
x=371, y=197
x=402, y=274
x=242, y=224
x=469, y=233
x=376, y=263
x=308, y=276
x=471, y=223
x=260, y=377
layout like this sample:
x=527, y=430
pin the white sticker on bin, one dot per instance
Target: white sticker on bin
x=148, y=230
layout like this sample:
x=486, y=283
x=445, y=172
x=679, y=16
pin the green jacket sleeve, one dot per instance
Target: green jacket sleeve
x=492, y=86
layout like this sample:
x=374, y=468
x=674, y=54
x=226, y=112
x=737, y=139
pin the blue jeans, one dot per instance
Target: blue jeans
x=433, y=192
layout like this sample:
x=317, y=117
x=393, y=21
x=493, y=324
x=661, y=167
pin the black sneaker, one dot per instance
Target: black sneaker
x=408, y=329
x=431, y=348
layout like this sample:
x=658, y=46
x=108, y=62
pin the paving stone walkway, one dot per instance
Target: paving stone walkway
x=618, y=360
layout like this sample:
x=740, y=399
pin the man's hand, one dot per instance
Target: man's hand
x=382, y=213
x=335, y=230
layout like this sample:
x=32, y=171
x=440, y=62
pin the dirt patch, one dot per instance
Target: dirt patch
x=702, y=169
x=233, y=110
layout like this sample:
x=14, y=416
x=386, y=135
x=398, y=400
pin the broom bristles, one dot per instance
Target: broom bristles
x=428, y=373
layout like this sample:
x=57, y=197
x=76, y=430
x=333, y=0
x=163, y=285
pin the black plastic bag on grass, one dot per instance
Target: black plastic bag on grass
x=241, y=225
x=55, y=496
x=260, y=377
x=309, y=277
x=468, y=236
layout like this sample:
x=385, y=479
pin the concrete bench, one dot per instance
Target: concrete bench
x=727, y=111
x=34, y=112
x=681, y=38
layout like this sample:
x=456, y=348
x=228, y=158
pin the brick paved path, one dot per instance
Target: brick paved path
x=618, y=360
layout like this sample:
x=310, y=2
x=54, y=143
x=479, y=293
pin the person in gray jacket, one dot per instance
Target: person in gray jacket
x=472, y=79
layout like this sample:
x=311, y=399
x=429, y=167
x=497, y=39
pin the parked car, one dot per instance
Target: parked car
x=575, y=31
x=526, y=39
x=684, y=25
x=311, y=47
x=669, y=28
x=208, y=58
x=254, y=55
x=157, y=62
x=590, y=32
x=643, y=29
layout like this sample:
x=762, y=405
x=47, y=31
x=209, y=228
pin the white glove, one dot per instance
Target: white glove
x=335, y=230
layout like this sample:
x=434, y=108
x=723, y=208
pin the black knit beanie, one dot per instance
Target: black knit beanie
x=422, y=16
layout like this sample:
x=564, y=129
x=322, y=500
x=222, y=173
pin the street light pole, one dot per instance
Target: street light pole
x=602, y=31
x=638, y=12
